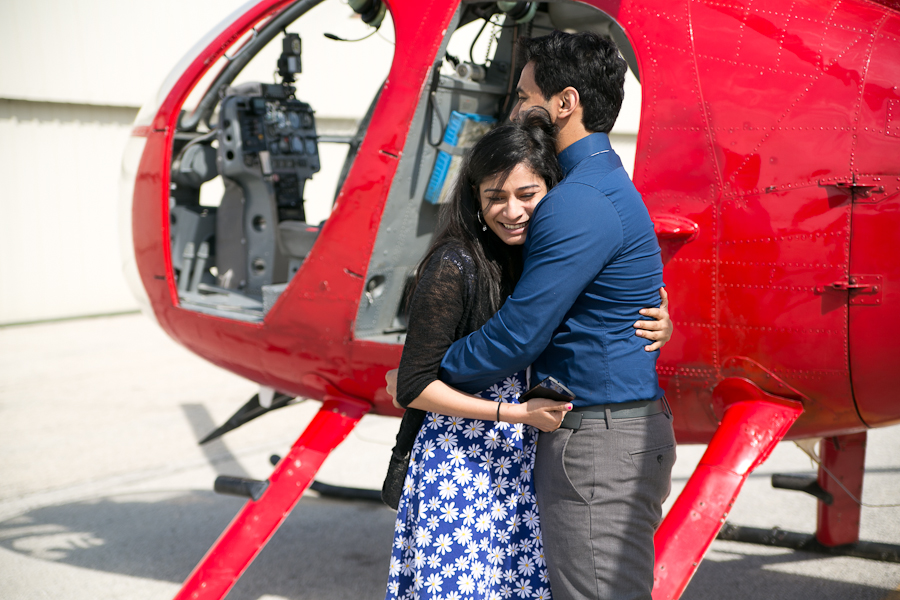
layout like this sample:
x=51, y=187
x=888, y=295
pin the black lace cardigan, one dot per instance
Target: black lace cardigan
x=445, y=307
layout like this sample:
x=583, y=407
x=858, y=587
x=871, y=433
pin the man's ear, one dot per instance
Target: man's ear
x=568, y=102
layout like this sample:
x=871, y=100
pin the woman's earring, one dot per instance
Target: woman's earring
x=480, y=220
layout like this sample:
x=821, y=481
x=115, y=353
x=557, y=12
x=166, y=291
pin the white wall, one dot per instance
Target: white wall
x=59, y=172
x=97, y=51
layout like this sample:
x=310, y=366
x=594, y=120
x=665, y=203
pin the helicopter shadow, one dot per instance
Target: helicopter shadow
x=326, y=549
x=750, y=573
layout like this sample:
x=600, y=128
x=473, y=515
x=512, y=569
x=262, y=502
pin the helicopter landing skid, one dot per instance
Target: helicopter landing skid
x=805, y=542
x=257, y=521
x=752, y=425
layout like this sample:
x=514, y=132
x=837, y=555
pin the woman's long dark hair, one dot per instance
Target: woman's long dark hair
x=531, y=141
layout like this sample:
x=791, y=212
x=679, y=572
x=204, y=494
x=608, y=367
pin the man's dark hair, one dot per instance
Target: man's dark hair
x=586, y=61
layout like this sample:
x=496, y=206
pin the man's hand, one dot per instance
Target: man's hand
x=391, y=378
x=659, y=330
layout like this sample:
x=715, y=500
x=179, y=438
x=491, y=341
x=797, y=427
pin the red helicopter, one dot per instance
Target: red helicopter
x=768, y=156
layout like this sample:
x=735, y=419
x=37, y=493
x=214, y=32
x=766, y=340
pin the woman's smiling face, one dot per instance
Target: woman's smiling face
x=507, y=208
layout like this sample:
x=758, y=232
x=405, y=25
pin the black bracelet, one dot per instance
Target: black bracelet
x=498, y=411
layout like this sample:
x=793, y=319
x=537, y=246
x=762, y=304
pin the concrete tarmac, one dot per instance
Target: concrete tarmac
x=104, y=492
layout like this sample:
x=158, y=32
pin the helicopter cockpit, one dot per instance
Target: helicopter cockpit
x=235, y=258
x=257, y=145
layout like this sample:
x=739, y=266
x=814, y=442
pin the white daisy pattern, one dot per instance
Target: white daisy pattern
x=469, y=488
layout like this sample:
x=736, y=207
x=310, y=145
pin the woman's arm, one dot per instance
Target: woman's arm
x=440, y=307
x=658, y=330
x=438, y=397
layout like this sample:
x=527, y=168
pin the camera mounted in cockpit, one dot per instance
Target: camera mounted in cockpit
x=289, y=63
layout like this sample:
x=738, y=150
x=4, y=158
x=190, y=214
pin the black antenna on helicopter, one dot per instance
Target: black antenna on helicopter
x=370, y=11
x=337, y=38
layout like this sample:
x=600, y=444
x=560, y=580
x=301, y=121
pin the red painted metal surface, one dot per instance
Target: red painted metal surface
x=749, y=111
x=875, y=199
x=844, y=457
x=256, y=523
x=767, y=129
x=745, y=148
x=753, y=423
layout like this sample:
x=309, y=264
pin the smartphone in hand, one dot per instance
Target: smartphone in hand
x=548, y=388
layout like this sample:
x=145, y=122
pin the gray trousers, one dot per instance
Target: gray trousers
x=600, y=492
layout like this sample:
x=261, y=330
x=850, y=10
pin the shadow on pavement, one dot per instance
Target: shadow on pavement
x=747, y=575
x=326, y=549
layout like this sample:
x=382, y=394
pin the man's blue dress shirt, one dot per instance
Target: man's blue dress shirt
x=591, y=262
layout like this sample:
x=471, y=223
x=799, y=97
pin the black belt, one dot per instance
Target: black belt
x=621, y=410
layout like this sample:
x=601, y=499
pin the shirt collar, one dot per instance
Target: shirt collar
x=583, y=148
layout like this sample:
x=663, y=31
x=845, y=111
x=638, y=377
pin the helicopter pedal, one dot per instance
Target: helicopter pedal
x=240, y=486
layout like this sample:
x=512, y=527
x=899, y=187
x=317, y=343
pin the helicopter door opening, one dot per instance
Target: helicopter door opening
x=255, y=169
x=472, y=88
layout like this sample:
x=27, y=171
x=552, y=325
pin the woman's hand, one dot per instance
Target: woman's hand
x=391, y=378
x=543, y=413
x=659, y=330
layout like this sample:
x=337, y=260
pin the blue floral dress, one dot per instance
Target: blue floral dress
x=467, y=524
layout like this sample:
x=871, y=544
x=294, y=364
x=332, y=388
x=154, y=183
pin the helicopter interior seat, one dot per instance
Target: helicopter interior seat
x=296, y=239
